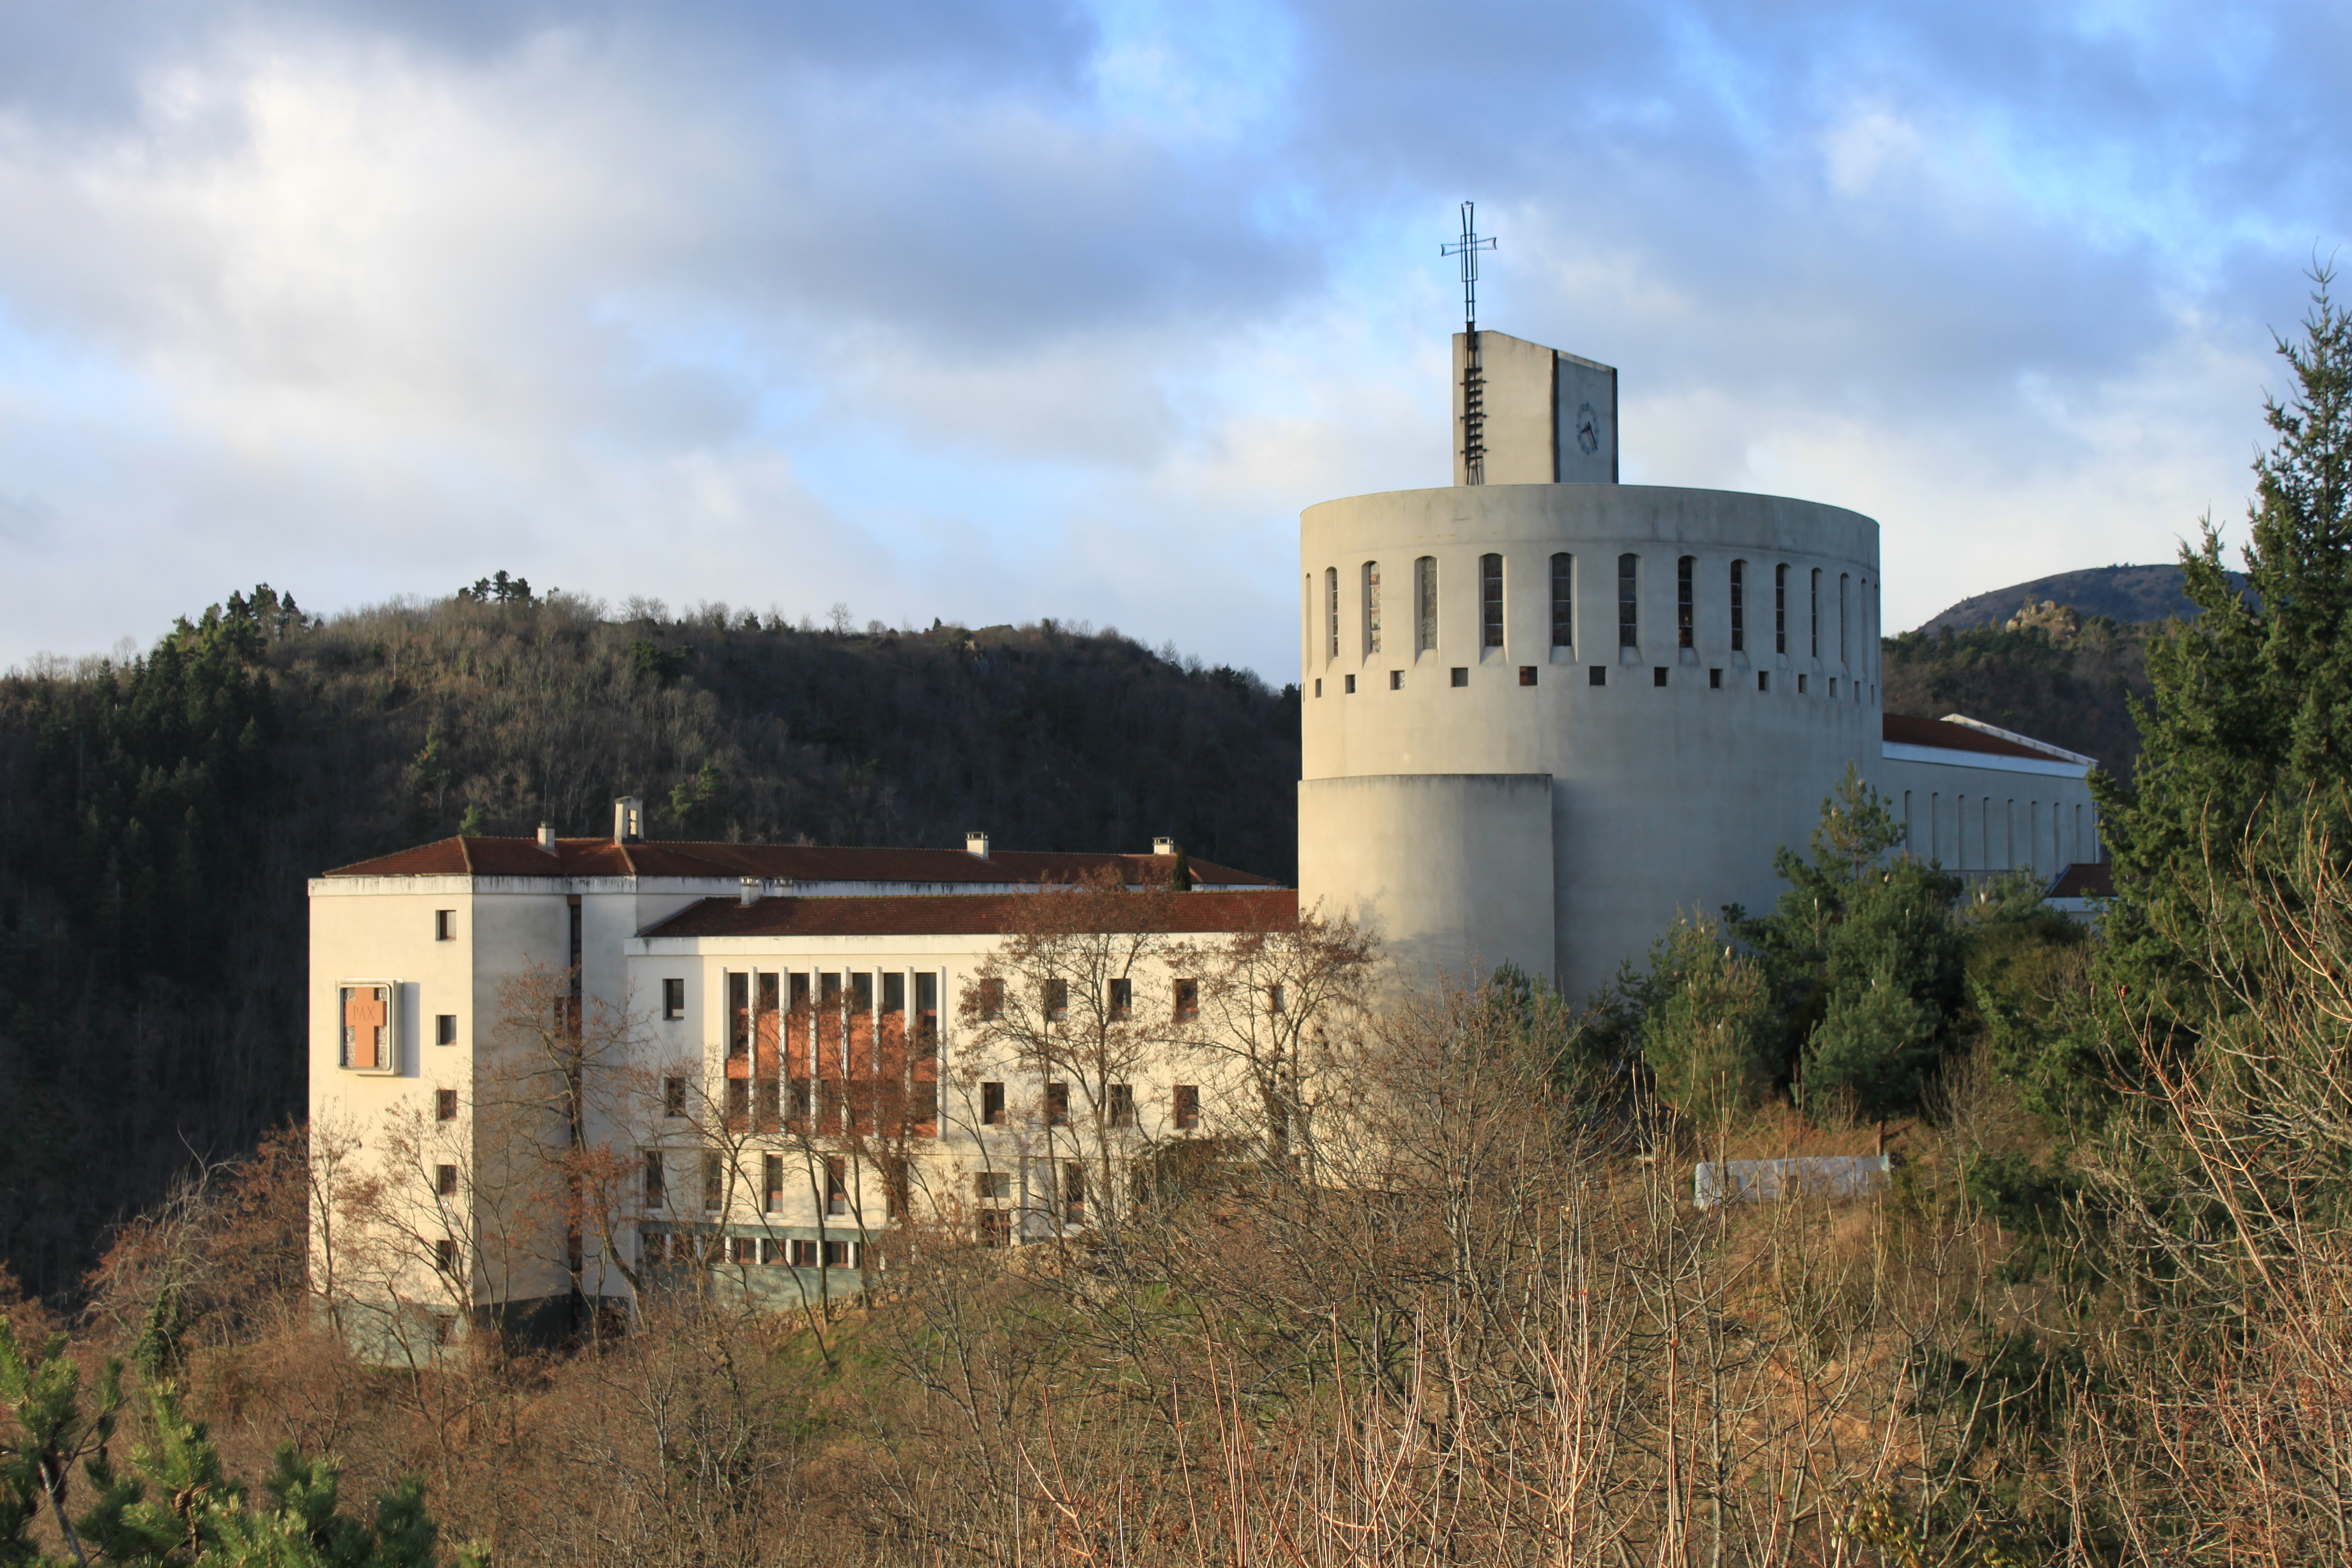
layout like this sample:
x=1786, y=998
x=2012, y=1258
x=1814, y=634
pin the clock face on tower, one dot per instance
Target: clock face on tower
x=1588, y=430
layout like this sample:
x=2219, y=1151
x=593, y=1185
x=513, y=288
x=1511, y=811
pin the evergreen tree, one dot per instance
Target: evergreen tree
x=2249, y=732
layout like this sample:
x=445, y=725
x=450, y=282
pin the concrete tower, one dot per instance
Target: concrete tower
x=1544, y=714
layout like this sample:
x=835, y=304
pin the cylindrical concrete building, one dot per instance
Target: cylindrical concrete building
x=1540, y=719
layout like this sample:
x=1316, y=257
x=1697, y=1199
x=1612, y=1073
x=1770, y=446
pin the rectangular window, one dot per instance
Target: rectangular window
x=995, y=1228
x=841, y=1254
x=673, y=997
x=1844, y=578
x=1714, y=680
x=444, y=925
x=1123, y=1105
x=1597, y=676
x=1187, y=1108
x=1122, y=999
x=926, y=1014
x=444, y=1256
x=1057, y=1105
x=1188, y=1001
x=738, y=1014
x=367, y=1027
x=1740, y=607
x=1816, y=613
x=992, y=998
x=803, y=1253
x=861, y=993
x=1490, y=601
x=1779, y=609
x=771, y=1251
x=1658, y=676
x=1801, y=685
x=1275, y=999
x=1685, y=603
x=1396, y=680
x=1425, y=605
x=739, y=1100
x=772, y=1183
x=991, y=1105
x=673, y=1097
x=444, y=1029
x=1527, y=675
x=896, y=1187
x=1629, y=609
x=1763, y=680
x=1057, y=1000
x=652, y=1247
x=1372, y=610
x=444, y=1181
x=836, y=1185
x=714, y=1185
x=1331, y=612
x=444, y=1105
x=1461, y=674
x=767, y=1107
x=1074, y=1191
x=1563, y=600
x=1351, y=686
x=992, y=1185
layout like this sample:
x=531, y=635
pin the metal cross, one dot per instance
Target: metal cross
x=1467, y=247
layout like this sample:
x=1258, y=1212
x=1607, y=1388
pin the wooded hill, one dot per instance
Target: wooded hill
x=2068, y=681
x=159, y=817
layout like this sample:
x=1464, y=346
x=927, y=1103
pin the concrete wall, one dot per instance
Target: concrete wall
x=1666, y=796
x=1981, y=814
x=1535, y=399
x=1454, y=870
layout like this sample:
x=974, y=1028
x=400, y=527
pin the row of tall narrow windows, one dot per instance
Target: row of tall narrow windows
x=1563, y=606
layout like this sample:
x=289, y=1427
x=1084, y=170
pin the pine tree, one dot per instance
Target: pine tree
x=2250, y=730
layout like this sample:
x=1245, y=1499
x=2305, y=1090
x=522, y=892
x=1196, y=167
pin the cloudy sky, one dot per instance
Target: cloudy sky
x=993, y=310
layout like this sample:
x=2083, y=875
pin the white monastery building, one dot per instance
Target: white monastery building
x=1543, y=713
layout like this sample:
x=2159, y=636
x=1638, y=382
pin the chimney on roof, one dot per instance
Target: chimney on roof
x=751, y=892
x=1163, y=846
x=547, y=836
x=628, y=819
x=976, y=844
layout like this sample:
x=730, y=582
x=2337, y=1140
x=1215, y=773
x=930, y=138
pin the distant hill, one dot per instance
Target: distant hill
x=2127, y=595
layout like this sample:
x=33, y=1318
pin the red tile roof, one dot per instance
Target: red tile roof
x=2085, y=879
x=967, y=914
x=783, y=862
x=1908, y=732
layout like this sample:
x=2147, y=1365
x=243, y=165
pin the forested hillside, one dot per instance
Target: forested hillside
x=2067, y=682
x=158, y=818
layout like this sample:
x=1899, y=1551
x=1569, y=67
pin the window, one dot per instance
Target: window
x=895, y=1188
x=772, y=1183
x=444, y=1181
x=1779, y=609
x=1123, y=1105
x=1057, y=1000
x=1658, y=676
x=444, y=1105
x=1319, y=686
x=1563, y=600
x=1425, y=605
x=445, y=1327
x=992, y=998
x=1188, y=1001
x=1274, y=999
x=926, y=1014
x=741, y=1249
x=805, y=1254
x=656, y=1188
x=1629, y=623
x=714, y=1185
x=1187, y=1107
x=444, y=1029
x=1074, y=1191
x=771, y=1251
x=992, y=1185
x=444, y=1255
x=1331, y=612
x=1372, y=612
x=1490, y=601
x=1351, y=686
x=861, y=993
x=841, y=1254
x=1057, y=1105
x=444, y=925
x=652, y=1247
x=1740, y=607
x=1801, y=685
x=1816, y=613
x=995, y=1228
x=1461, y=676
x=738, y=1014
x=836, y=1185
x=1714, y=680
x=991, y=1105
x=739, y=1100
x=673, y=1097
x=1763, y=680
x=1396, y=680
x=1527, y=675
x=368, y=1045
x=674, y=999
x=1833, y=686
x=1122, y=997
x=1844, y=578
x=1685, y=603
x=1597, y=676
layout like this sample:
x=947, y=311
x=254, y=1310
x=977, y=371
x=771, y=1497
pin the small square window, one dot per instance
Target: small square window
x=1461, y=674
x=445, y=1180
x=1658, y=676
x=444, y=1029
x=444, y=925
x=1597, y=676
x=1763, y=680
x=1396, y=680
x=1351, y=686
x=1715, y=680
x=444, y=1105
x=1527, y=675
x=674, y=999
